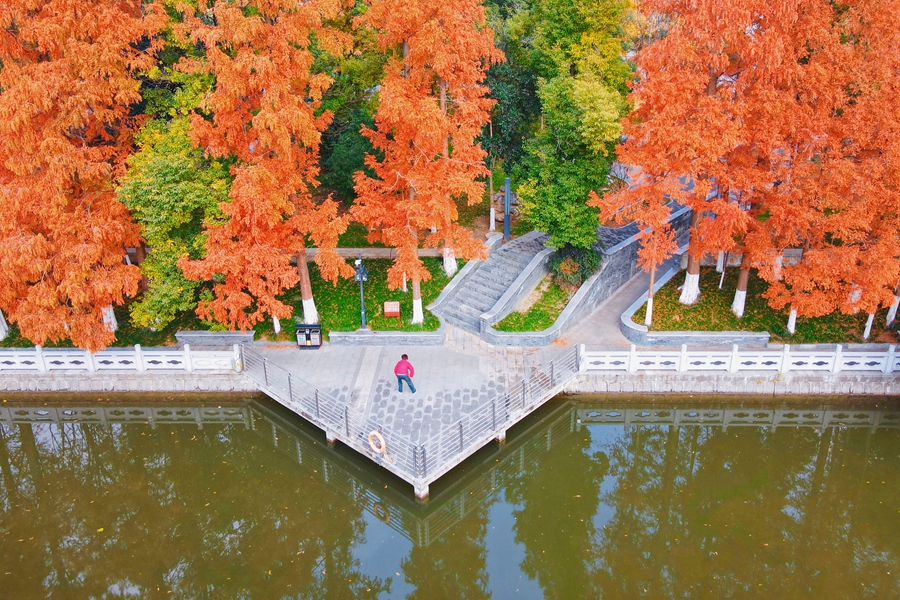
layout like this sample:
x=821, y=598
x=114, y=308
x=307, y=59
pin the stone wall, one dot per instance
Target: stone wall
x=769, y=384
x=111, y=381
x=387, y=338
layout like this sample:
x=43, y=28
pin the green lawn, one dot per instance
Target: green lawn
x=355, y=237
x=542, y=314
x=713, y=313
x=338, y=310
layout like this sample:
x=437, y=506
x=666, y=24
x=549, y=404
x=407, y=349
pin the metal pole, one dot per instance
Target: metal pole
x=523, y=393
x=290, y=390
x=552, y=383
x=266, y=371
x=506, y=201
x=346, y=423
x=460, y=436
x=317, y=404
x=362, y=300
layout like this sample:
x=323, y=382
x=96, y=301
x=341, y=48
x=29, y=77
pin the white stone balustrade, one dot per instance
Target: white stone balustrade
x=119, y=359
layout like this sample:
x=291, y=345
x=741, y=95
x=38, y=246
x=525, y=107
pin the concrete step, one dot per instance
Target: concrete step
x=462, y=321
x=491, y=284
x=481, y=303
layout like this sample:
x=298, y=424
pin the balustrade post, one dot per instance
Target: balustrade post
x=290, y=390
x=494, y=414
x=318, y=416
x=524, y=391
x=632, y=359
x=579, y=357
x=139, y=358
x=838, y=359
x=39, y=358
x=552, y=379
x=683, y=359
x=346, y=422
x=89, y=359
x=735, y=358
x=188, y=363
x=889, y=363
x=460, y=436
x=785, y=359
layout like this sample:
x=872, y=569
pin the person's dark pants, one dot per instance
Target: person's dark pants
x=401, y=379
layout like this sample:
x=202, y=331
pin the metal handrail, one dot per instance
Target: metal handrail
x=425, y=461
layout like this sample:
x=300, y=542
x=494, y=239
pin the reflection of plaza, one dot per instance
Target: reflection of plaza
x=582, y=501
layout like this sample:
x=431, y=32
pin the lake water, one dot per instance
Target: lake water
x=239, y=499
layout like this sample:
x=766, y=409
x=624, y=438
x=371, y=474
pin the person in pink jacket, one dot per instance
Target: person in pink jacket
x=404, y=371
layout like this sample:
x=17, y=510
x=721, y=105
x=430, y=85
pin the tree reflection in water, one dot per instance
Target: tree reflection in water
x=266, y=510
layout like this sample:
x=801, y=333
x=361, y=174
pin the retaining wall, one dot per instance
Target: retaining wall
x=112, y=381
x=723, y=384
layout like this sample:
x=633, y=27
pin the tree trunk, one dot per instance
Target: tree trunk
x=869, y=322
x=403, y=289
x=140, y=254
x=648, y=318
x=4, y=327
x=720, y=262
x=690, y=292
x=418, y=316
x=449, y=262
x=792, y=322
x=779, y=263
x=109, y=319
x=740, y=296
x=276, y=324
x=892, y=311
x=310, y=314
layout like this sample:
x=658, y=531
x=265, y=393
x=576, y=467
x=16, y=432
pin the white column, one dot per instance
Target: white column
x=683, y=359
x=139, y=358
x=792, y=322
x=735, y=358
x=109, y=319
x=418, y=315
x=493, y=219
x=310, y=314
x=690, y=293
x=868, y=330
x=648, y=319
x=632, y=359
x=187, y=358
x=449, y=262
x=838, y=359
x=740, y=299
x=892, y=311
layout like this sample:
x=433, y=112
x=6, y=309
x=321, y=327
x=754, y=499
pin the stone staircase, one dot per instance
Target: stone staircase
x=484, y=285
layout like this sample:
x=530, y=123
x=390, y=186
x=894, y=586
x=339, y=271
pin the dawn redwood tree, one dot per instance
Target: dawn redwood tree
x=67, y=87
x=432, y=106
x=710, y=100
x=263, y=113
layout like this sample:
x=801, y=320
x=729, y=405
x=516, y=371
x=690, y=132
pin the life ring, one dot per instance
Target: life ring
x=376, y=443
x=381, y=512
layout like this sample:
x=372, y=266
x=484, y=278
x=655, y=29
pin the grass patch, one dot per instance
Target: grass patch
x=468, y=213
x=338, y=308
x=713, y=313
x=542, y=314
x=355, y=237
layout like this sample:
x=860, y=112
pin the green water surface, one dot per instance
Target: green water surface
x=239, y=499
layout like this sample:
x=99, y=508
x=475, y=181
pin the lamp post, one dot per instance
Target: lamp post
x=361, y=275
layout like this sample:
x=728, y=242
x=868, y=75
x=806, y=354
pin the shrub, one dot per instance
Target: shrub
x=571, y=265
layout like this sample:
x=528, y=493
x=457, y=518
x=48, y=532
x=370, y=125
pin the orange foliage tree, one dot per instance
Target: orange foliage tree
x=67, y=85
x=778, y=112
x=432, y=106
x=263, y=113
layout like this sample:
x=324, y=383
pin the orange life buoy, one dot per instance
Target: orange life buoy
x=376, y=443
x=381, y=512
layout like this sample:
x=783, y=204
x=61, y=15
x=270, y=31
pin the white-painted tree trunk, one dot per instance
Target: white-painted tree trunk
x=740, y=299
x=310, y=314
x=892, y=311
x=792, y=322
x=869, y=322
x=449, y=262
x=493, y=226
x=648, y=318
x=418, y=315
x=720, y=262
x=779, y=263
x=109, y=319
x=690, y=293
x=404, y=289
x=4, y=327
x=276, y=324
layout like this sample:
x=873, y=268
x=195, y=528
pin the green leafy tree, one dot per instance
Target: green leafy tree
x=171, y=189
x=578, y=50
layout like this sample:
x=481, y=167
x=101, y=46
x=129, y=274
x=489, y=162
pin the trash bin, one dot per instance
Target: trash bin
x=308, y=335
